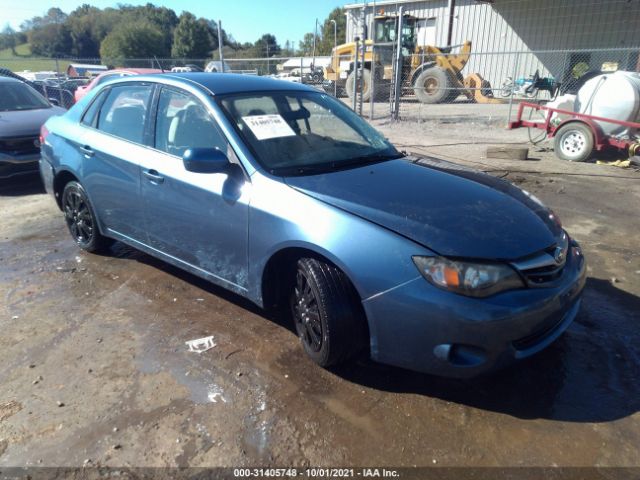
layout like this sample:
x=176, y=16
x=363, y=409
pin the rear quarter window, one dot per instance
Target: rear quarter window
x=91, y=114
x=124, y=112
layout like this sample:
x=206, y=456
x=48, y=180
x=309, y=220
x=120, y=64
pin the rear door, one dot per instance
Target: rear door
x=200, y=220
x=113, y=146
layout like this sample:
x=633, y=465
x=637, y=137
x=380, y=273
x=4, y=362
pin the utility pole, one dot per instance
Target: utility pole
x=315, y=35
x=220, y=45
x=268, y=58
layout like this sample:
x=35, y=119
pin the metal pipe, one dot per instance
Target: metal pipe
x=373, y=81
x=398, y=71
x=355, y=76
x=301, y=68
x=335, y=53
x=452, y=13
x=361, y=77
x=515, y=72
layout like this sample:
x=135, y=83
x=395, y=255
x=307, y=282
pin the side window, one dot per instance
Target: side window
x=124, y=111
x=184, y=123
x=91, y=114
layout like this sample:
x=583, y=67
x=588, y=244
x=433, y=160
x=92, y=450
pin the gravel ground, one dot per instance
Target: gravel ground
x=95, y=371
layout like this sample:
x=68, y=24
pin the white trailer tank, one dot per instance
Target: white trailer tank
x=612, y=95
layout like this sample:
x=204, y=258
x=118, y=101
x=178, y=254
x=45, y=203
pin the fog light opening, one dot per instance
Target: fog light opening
x=460, y=355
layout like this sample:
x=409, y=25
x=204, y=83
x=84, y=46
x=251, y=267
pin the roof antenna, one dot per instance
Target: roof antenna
x=159, y=64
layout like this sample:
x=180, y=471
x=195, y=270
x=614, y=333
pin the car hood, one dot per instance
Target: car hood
x=26, y=122
x=450, y=209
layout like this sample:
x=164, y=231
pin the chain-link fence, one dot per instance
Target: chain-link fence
x=382, y=80
x=435, y=84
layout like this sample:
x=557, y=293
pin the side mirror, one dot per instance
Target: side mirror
x=205, y=160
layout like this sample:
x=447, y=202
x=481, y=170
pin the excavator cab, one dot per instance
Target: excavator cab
x=386, y=32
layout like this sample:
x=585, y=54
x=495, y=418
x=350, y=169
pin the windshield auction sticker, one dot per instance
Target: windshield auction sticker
x=265, y=127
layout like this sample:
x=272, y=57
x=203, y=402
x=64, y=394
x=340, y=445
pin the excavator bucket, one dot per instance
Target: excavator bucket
x=478, y=89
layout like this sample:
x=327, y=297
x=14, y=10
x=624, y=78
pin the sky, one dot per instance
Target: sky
x=246, y=20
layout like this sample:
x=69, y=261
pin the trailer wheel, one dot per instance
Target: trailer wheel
x=574, y=142
x=365, y=81
x=432, y=86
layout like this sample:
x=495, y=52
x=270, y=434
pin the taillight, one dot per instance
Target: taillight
x=43, y=134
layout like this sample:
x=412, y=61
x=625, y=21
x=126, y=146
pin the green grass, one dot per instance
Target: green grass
x=24, y=60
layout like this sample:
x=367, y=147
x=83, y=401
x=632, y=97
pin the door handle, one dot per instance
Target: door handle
x=153, y=176
x=88, y=152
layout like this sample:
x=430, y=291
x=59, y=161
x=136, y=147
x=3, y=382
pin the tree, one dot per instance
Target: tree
x=191, y=38
x=305, y=47
x=326, y=42
x=325, y=38
x=8, y=39
x=83, y=26
x=287, y=51
x=267, y=46
x=132, y=40
x=49, y=35
x=162, y=17
x=51, y=40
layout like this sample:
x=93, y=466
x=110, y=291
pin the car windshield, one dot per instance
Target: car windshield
x=19, y=96
x=300, y=133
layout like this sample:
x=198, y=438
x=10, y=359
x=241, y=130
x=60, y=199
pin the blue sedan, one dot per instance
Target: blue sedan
x=283, y=195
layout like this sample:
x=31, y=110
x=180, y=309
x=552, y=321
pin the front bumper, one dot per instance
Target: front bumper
x=420, y=327
x=47, y=174
x=11, y=165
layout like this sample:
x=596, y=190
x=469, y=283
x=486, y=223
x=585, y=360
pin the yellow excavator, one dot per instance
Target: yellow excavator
x=432, y=74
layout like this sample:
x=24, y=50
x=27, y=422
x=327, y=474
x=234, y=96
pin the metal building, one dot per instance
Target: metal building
x=517, y=37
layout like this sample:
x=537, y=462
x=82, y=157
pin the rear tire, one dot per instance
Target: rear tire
x=81, y=219
x=326, y=313
x=365, y=81
x=574, y=142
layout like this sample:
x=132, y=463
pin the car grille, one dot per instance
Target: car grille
x=543, y=275
x=20, y=145
x=546, y=267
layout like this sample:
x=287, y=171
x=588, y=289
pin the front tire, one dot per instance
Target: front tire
x=81, y=219
x=326, y=313
x=434, y=85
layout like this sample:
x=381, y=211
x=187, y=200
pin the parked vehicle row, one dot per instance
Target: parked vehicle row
x=22, y=112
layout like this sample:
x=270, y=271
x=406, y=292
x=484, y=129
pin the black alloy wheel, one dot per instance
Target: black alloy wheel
x=327, y=313
x=306, y=314
x=80, y=219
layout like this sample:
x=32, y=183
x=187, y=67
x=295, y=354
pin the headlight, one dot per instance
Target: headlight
x=470, y=279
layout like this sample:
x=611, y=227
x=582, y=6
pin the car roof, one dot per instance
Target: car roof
x=138, y=71
x=9, y=79
x=223, y=83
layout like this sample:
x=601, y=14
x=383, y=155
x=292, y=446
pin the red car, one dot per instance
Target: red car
x=110, y=75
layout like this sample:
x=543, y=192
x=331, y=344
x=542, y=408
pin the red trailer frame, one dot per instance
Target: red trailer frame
x=601, y=141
